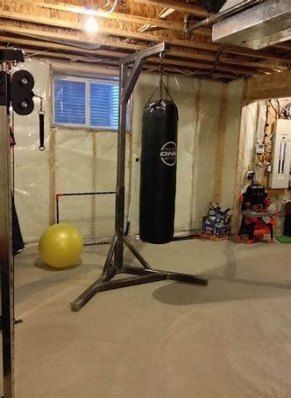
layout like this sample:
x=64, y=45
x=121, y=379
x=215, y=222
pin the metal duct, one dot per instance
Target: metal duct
x=258, y=27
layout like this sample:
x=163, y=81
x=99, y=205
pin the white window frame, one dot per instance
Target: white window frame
x=87, y=81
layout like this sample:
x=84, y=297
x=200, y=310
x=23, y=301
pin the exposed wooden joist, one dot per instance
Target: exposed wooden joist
x=58, y=47
x=79, y=40
x=275, y=85
x=69, y=37
x=126, y=32
x=104, y=29
x=178, y=5
x=111, y=64
x=123, y=17
x=76, y=67
x=70, y=57
x=105, y=55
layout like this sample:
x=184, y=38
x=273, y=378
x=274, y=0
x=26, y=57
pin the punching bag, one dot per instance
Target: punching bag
x=158, y=171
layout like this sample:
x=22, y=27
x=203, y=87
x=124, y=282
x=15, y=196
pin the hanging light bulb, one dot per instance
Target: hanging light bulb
x=91, y=25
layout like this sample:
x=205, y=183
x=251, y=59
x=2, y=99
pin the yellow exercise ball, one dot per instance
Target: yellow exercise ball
x=60, y=245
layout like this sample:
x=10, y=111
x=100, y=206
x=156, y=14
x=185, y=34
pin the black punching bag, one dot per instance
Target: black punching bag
x=158, y=171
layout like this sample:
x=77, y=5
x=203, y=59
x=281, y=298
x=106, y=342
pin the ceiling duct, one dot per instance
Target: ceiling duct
x=257, y=27
x=212, y=5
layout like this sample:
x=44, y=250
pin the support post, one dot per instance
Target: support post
x=6, y=258
x=120, y=183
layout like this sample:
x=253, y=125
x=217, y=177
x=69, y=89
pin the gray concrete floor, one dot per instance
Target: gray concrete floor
x=163, y=340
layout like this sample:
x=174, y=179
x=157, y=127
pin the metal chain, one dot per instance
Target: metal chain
x=161, y=69
x=161, y=87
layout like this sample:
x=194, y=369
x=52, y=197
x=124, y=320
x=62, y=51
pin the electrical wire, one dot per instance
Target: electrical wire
x=277, y=111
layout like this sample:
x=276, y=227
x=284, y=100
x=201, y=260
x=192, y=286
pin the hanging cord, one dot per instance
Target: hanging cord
x=161, y=88
x=11, y=134
x=12, y=146
x=161, y=68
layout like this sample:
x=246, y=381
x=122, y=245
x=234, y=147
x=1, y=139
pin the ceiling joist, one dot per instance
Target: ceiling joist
x=55, y=29
x=126, y=31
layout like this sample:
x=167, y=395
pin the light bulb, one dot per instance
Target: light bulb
x=91, y=25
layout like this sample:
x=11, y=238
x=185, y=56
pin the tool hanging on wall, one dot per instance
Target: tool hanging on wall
x=158, y=166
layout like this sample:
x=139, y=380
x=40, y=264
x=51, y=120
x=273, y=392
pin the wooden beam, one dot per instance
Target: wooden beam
x=274, y=85
x=140, y=19
x=240, y=149
x=114, y=42
x=56, y=46
x=173, y=38
x=194, y=154
x=70, y=57
x=99, y=60
x=179, y=6
x=66, y=7
x=220, y=144
x=82, y=68
x=25, y=43
x=70, y=38
x=104, y=29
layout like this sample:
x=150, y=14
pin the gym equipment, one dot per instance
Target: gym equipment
x=22, y=83
x=158, y=170
x=130, y=68
x=60, y=245
x=15, y=93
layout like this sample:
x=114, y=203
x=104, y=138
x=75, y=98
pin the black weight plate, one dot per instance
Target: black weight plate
x=23, y=106
x=22, y=79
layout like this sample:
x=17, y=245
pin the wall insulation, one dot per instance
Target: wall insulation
x=253, y=124
x=32, y=166
x=80, y=160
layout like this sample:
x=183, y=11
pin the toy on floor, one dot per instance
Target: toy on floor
x=217, y=222
x=60, y=245
x=257, y=220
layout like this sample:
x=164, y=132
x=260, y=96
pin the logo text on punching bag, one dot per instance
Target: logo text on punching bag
x=168, y=153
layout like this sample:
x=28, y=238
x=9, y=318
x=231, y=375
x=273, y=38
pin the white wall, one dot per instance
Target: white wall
x=80, y=160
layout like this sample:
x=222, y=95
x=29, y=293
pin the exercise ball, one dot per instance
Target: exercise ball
x=60, y=245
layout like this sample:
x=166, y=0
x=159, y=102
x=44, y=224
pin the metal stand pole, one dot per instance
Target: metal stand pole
x=114, y=261
x=6, y=258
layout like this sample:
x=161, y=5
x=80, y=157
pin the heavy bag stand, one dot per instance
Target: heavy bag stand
x=114, y=260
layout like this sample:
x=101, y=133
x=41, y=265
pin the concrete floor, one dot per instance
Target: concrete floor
x=231, y=339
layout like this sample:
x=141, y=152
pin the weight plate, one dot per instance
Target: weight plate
x=23, y=106
x=22, y=79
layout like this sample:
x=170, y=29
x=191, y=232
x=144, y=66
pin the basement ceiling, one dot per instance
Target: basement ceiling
x=55, y=30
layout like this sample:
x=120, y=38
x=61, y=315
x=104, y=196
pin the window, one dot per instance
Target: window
x=83, y=102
